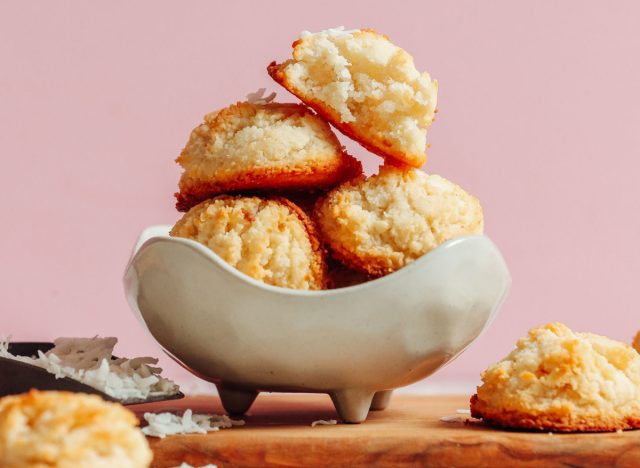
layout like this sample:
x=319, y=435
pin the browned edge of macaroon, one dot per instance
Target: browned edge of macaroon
x=317, y=245
x=258, y=179
x=370, y=265
x=545, y=423
x=319, y=267
x=379, y=147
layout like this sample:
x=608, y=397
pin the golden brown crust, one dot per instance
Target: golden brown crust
x=319, y=265
x=376, y=145
x=636, y=342
x=555, y=422
x=301, y=178
x=370, y=265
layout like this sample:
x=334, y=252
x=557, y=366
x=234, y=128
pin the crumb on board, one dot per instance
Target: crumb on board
x=324, y=422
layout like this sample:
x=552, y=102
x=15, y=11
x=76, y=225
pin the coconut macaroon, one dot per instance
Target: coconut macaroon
x=380, y=224
x=69, y=430
x=559, y=380
x=366, y=87
x=271, y=240
x=261, y=146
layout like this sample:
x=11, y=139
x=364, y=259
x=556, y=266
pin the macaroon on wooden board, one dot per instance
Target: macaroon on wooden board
x=409, y=432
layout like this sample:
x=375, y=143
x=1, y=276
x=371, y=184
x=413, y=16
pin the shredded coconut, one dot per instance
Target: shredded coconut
x=90, y=361
x=339, y=31
x=324, y=422
x=258, y=97
x=186, y=465
x=451, y=419
x=164, y=424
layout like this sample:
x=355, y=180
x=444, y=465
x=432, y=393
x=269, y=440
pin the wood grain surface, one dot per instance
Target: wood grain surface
x=410, y=432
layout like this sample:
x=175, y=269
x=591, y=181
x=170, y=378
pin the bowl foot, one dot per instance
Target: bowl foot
x=381, y=400
x=236, y=402
x=352, y=404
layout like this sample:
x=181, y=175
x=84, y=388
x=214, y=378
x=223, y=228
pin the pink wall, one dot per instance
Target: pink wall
x=539, y=117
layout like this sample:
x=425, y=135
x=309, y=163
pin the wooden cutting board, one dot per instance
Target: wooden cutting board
x=410, y=432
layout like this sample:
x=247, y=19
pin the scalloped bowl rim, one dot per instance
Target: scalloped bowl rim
x=219, y=261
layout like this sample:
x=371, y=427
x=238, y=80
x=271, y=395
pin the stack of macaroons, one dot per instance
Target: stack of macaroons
x=269, y=187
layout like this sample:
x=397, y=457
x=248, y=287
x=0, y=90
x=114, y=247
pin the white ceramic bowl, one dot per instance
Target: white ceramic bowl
x=356, y=343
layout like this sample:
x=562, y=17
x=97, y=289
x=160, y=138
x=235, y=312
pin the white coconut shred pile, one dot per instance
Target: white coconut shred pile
x=164, y=424
x=90, y=361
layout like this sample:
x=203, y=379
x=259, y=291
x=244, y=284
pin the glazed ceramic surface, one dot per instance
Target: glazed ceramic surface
x=355, y=343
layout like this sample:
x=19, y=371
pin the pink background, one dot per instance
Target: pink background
x=539, y=117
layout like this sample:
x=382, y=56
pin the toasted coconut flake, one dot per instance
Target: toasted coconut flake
x=258, y=97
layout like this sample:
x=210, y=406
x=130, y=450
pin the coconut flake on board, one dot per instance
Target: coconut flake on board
x=164, y=424
x=91, y=362
x=324, y=422
x=451, y=419
x=459, y=419
x=186, y=465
